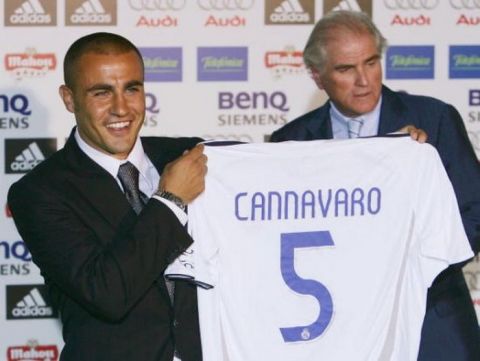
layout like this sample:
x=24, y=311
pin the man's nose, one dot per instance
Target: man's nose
x=119, y=106
x=362, y=77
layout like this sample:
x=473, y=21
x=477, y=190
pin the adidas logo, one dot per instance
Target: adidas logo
x=290, y=11
x=32, y=305
x=351, y=5
x=28, y=159
x=91, y=11
x=30, y=12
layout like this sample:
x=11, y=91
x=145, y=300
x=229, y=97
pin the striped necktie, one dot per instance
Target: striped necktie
x=128, y=175
x=354, y=126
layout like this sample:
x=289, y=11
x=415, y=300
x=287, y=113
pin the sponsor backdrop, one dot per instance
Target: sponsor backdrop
x=225, y=69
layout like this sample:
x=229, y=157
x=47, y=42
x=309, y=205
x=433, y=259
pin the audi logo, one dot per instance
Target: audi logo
x=157, y=4
x=465, y=4
x=226, y=4
x=410, y=4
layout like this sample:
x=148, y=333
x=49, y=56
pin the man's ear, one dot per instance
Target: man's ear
x=317, y=78
x=67, y=96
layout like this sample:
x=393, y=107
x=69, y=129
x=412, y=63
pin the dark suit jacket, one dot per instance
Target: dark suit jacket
x=450, y=330
x=103, y=263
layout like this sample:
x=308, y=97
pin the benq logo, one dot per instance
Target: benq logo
x=252, y=109
x=14, y=250
x=17, y=103
x=15, y=259
x=22, y=155
x=14, y=111
x=255, y=100
x=474, y=97
x=29, y=302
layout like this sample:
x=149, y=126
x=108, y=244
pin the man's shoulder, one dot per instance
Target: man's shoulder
x=162, y=150
x=170, y=142
x=414, y=100
x=298, y=127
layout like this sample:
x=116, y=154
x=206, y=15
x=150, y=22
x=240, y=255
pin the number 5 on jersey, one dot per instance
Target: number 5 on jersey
x=289, y=242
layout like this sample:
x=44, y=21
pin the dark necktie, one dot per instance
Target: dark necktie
x=128, y=175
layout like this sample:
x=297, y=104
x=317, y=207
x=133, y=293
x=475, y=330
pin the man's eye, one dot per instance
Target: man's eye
x=100, y=93
x=133, y=89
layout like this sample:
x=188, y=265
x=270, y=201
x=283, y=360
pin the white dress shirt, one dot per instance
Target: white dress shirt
x=148, y=174
x=369, y=128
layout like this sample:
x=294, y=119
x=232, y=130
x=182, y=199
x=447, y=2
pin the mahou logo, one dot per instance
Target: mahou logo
x=32, y=351
x=285, y=62
x=90, y=12
x=30, y=13
x=30, y=64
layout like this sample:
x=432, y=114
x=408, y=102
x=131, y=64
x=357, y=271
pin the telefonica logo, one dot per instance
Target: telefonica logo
x=222, y=63
x=30, y=12
x=464, y=61
x=289, y=12
x=162, y=64
x=90, y=12
x=410, y=62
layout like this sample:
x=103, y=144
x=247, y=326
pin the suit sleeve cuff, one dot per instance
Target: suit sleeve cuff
x=181, y=215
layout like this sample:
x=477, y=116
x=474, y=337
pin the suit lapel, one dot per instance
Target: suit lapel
x=392, y=113
x=319, y=123
x=95, y=185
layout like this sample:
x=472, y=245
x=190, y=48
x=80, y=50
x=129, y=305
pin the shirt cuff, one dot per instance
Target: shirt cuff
x=181, y=215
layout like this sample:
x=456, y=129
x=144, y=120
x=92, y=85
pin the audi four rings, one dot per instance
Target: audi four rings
x=429, y=4
x=174, y=5
x=226, y=4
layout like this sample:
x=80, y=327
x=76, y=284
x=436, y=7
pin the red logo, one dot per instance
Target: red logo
x=32, y=351
x=30, y=63
x=283, y=62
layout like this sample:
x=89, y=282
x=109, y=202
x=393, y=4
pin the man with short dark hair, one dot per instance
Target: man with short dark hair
x=343, y=54
x=104, y=216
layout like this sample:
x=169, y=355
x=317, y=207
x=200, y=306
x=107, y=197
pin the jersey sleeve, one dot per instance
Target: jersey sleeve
x=438, y=225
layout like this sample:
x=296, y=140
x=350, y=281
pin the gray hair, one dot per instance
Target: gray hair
x=315, y=54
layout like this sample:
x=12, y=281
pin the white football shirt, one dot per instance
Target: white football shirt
x=321, y=250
